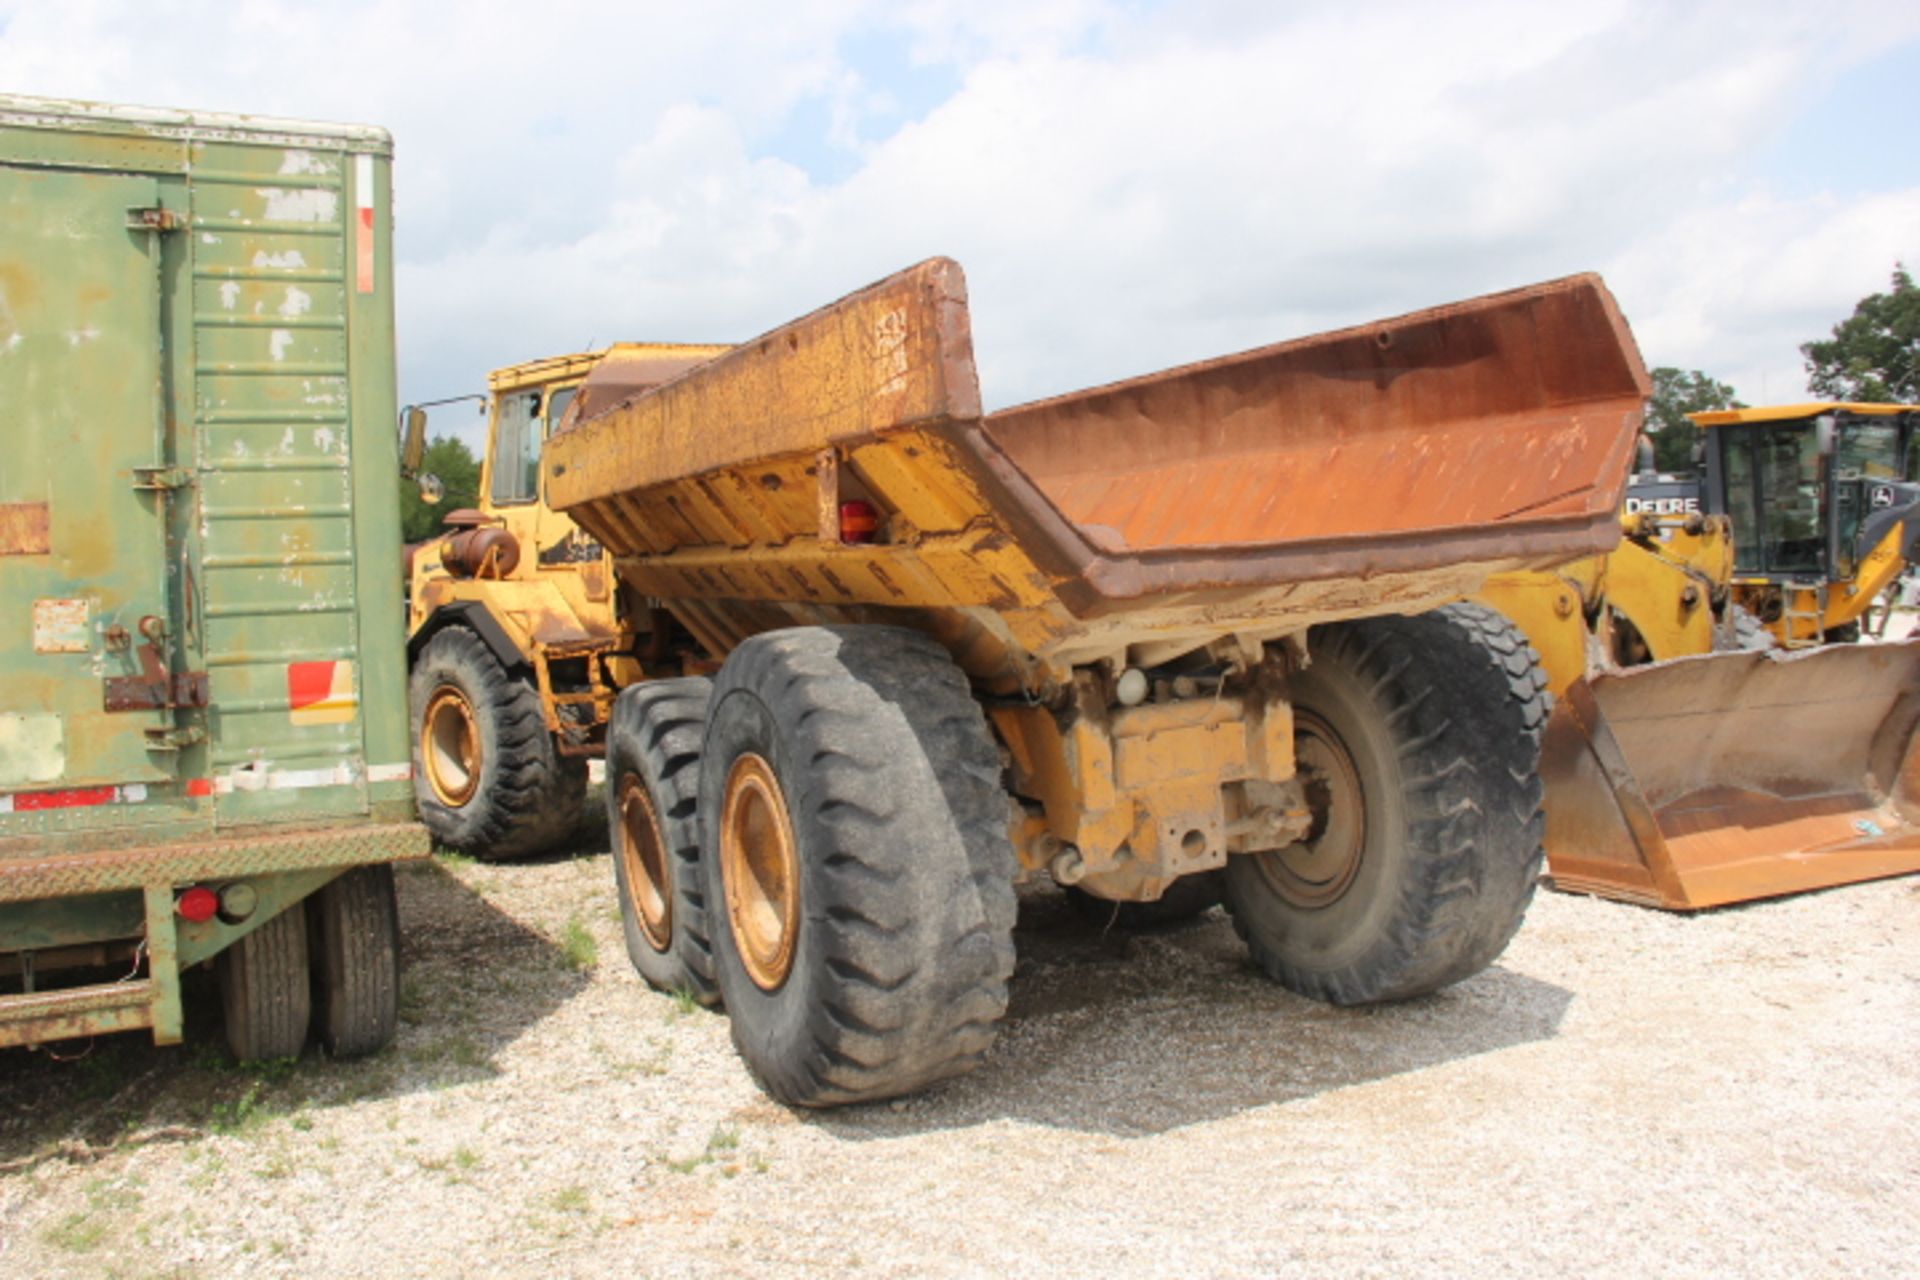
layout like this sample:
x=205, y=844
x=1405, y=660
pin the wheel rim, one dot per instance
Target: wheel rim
x=450, y=746
x=1316, y=871
x=760, y=865
x=643, y=855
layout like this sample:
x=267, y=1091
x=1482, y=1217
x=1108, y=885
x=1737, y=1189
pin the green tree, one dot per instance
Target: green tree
x=1874, y=354
x=450, y=459
x=1677, y=393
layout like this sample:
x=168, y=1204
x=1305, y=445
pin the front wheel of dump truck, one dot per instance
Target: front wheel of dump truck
x=653, y=819
x=485, y=770
x=354, y=927
x=856, y=857
x=1418, y=743
x=263, y=989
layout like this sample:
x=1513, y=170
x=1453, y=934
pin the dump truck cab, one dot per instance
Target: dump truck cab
x=530, y=605
x=1823, y=501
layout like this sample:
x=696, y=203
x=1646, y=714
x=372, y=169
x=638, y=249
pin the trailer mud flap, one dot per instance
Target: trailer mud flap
x=1723, y=778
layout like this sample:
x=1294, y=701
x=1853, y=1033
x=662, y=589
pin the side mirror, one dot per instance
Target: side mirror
x=413, y=449
x=431, y=490
x=1824, y=434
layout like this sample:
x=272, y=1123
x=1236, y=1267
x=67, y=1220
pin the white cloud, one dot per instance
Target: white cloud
x=1128, y=185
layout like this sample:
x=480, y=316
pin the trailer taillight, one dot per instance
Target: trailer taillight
x=859, y=521
x=197, y=905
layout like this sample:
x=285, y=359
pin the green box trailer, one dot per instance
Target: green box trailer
x=203, y=742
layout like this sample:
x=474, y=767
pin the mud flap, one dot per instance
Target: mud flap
x=1723, y=778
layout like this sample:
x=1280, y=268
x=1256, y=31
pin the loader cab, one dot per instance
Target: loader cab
x=1811, y=490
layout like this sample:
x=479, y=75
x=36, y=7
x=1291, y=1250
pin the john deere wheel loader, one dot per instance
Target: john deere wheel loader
x=1824, y=507
x=1121, y=637
x=1708, y=780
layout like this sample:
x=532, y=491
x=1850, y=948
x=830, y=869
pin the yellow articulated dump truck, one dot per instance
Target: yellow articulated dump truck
x=519, y=635
x=1122, y=637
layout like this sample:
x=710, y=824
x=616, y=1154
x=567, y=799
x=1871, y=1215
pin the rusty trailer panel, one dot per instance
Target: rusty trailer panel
x=1486, y=435
x=1724, y=778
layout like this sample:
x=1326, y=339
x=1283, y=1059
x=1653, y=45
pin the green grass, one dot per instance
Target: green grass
x=570, y=1199
x=78, y=1232
x=578, y=946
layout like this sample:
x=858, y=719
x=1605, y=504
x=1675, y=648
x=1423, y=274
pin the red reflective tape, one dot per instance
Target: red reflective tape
x=309, y=683
x=25, y=801
x=365, y=248
x=200, y=786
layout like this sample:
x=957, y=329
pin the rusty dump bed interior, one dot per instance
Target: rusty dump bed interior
x=1722, y=778
x=1385, y=466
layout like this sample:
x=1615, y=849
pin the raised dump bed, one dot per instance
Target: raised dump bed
x=1184, y=604
x=1388, y=466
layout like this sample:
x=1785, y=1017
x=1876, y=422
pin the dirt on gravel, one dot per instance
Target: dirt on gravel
x=1624, y=1093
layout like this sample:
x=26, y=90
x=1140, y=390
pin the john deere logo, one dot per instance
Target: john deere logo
x=1883, y=495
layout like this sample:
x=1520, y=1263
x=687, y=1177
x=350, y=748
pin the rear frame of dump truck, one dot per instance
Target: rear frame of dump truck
x=203, y=748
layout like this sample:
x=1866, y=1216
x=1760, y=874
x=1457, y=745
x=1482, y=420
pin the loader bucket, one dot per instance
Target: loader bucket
x=1723, y=778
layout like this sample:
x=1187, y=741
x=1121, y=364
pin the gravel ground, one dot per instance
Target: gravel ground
x=1626, y=1093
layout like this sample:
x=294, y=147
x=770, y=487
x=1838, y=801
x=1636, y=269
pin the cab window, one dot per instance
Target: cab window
x=516, y=447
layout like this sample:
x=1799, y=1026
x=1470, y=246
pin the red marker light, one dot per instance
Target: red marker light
x=197, y=905
x=858, y=521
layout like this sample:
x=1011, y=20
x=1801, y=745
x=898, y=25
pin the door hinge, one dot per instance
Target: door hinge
x=162, y=220
x=161, y=477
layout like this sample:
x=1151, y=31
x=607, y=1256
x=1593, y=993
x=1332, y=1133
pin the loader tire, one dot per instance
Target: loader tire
x=1184, y=899
x=856, y=854
x=1419, y=740
x=653, y=819
x=485, y=770
x=264, y=991
x=354, y=927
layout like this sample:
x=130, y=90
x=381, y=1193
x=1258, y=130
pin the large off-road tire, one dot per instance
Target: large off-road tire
x=1184, y=899
x=263, y=989
x=1419, y=741
x=653, y=819
x=353, y=925
x=488, y=778
x=856, y=857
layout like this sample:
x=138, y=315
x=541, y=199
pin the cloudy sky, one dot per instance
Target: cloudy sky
x=1129, y=184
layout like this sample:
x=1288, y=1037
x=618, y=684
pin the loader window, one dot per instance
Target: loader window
x=1773, y=498
x=1869, y=451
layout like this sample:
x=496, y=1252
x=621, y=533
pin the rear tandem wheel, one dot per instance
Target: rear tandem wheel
x=653, y=819
x=855, y=851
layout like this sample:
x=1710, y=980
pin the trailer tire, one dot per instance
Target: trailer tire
x=1184, y=899
x=1421, y=738
x=353, y=924
x=264, y=990
x=855, y=832
x=488, y=778
x=653, y=819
